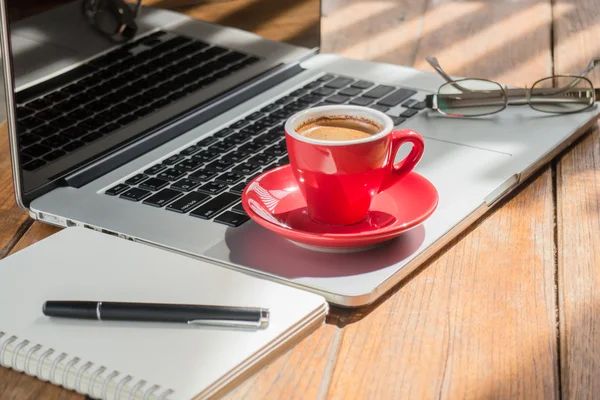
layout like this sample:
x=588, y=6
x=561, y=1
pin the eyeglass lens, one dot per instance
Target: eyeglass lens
x=562, y=94
x=471, y=97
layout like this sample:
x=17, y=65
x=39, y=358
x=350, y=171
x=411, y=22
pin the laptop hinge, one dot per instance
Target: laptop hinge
x=172, y=129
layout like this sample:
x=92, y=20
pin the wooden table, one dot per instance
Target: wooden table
x=507, y=310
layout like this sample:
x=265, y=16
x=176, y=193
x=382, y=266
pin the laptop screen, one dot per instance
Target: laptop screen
x=86, y=81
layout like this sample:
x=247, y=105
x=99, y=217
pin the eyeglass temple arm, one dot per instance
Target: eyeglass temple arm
x=436, y=65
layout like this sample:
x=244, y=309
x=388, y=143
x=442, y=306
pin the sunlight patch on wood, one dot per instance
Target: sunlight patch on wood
x=406, y=32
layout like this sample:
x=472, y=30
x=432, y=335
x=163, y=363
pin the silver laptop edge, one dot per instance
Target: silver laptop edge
x=472, y=163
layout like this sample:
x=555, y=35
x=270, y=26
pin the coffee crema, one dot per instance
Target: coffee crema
x=339, y=128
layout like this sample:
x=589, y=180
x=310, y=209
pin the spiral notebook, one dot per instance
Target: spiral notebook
x=129, y=360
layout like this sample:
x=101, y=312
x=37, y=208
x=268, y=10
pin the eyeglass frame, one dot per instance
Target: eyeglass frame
x=431, y=99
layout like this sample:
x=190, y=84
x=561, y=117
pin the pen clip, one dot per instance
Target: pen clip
x=230, y=323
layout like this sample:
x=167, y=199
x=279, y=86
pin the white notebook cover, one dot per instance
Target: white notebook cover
x=129, y=360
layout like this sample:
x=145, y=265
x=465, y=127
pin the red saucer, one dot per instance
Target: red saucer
x=274, y=201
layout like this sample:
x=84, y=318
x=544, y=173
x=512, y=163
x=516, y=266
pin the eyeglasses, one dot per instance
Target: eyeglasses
x=558, y=94
x=115, y=19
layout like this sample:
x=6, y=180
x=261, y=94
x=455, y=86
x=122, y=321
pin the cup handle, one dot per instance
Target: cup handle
x=396, y=172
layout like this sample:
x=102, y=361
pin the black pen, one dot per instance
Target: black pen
x=159, y=312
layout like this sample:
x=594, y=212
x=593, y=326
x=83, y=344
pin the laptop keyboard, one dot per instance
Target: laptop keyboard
x=206, y=179
x=110, y=92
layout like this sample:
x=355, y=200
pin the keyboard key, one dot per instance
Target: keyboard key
x=251, y=148
x=379, y=91
x=325, y=78
x=36, y=150
x=239, y=124
x=214, y=206
x=408, y=113
x=45, y=130
x=299, y=92
x=188, y=202
x=323, y=91
x=229, y=178
x=91, y=137
x=309, y=99
x=174, y=159
x=163, y=197
x=339, y=83
x=172, y=174
x=236, y=156
x=206, y=155
x=246, y=169
x=239, y=188
x=361, y=101
x=221, y=147
x=29, y=139
x=239, y=208
x=277, y=150
x=408, y=103
x=397, y=120
x=213, y=187
x=134, y=180
x=55, y=141
x=232, y=219
x=238, y=138
x=220, y=165
x=419, y=106
x=270, y=167
x=73, y=146
x=206, y=141
x=379, y=107
x=155, y=169
x=154, y=184
x=350, y=91
x=270, y=108
x=136, y=194
x=397, y=97
x=115, y=190
x=255, y=115
x=285, y=100
x=203, y=175
x=186, y=184
x=337, y=99
x=362, y=84
x=54, y=155
x=262, y=159
x=191, y=150
x=191, y=164
x=312, y=85
x=267, y=138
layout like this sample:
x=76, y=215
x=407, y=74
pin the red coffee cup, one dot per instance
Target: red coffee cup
x=339, y=179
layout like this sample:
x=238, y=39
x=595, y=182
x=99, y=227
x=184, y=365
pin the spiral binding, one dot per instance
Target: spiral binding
x=28, y=367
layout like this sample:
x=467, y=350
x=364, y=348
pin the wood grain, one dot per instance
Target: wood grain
x=299, y=374
x=578, y=216
x=478, y=322
x=13, y=220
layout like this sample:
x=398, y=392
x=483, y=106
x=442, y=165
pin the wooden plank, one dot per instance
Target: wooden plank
x=578, y=214
x=479, y=321
x=360, y=29
x=300, y=373
x=13, y=220
x=476, y=323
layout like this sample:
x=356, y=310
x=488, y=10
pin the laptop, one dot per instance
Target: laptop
x=153, y=139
